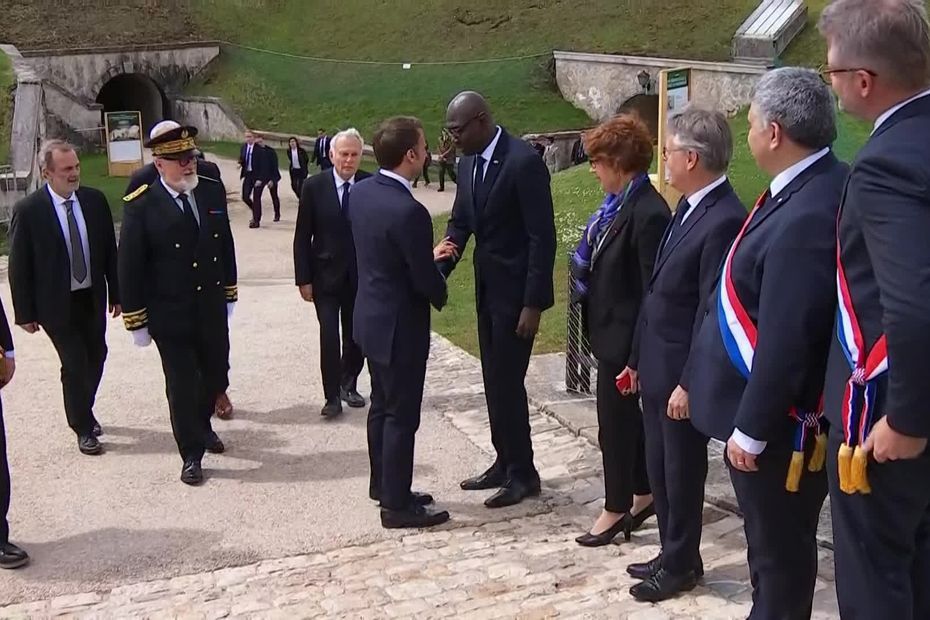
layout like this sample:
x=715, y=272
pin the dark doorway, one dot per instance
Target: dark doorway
x=647, y=107
x=135, y=92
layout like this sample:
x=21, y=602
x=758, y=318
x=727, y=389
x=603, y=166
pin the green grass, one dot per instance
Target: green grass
x=94, y=174
x=7, y=84
x=575, y=195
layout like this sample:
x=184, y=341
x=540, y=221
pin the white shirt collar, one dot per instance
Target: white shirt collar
x=695, y=199
x=340, y=181
x=58, y=200
x=786, y=176
x=393, y=175
x=887, y=113
x=488, y=152
x=174, y=194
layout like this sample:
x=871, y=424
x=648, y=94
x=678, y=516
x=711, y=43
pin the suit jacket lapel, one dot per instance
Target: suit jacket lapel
x=51, y=215
x=619, y=221
x=493, y=170
x=699, y=212
x=772, y=204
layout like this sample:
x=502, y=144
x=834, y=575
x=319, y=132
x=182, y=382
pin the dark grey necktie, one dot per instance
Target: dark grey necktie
x=344, y=203
x=78, y=261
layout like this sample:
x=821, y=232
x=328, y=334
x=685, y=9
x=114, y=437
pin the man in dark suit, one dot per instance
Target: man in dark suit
x=321, y=150
x=504, y=200
x=248, y=166
x=325, y=270
x=758, y=360
x=697, y=153
x=880, y=474
x=397, y=282
x=147, y=175
x=62, y=271
x=177, y=267
x=267, y=175
x=11, y=556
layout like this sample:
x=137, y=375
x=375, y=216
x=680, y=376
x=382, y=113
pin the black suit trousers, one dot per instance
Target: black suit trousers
x=4, y=484
x=257, y=200
x=505, y=358
x=193, y=370
x=297, y=181
x=338, y=369
x=620, y=435
x=393, y=420
x=248, y=185
x=82, y=349
x=882, y=540
x=781, y=532
x=676, y=460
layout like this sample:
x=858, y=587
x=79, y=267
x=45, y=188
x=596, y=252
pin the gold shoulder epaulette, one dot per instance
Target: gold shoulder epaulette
x=136, y=193
x=207, y=178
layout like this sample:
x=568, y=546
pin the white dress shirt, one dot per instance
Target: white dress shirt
x=780, y=182
x=341, y=184
x=62, y=214
x=295, y=160
x=887, y=113
x=248, y=157
x=488, y=153
x=177, y=201
x=393, y=175
x=695, y=199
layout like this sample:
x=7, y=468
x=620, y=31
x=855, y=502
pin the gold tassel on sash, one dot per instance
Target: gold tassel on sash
x=844, y=468
x=819, y=457
x=793, y=481
x=858, y=479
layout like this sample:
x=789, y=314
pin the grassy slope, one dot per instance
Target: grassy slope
x=7, y=83
x=576, y=194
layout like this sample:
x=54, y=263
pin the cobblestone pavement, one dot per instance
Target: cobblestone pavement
x=524, y=567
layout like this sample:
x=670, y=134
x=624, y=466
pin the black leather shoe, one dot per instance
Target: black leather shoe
x=191, y=473
x=416, y=498
x=253, y=224
x=97, y=430
x=277, y=218
x=12, y=556
x=513, y=492
x=352, y=398
x=645, y=570
x=214, y=444
x=331, y=409
x=491, y=479
x=607, y=536
x=663, y=586
x=89, y=445
x=415, y=516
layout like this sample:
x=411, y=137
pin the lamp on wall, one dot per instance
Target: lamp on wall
x=645, y=81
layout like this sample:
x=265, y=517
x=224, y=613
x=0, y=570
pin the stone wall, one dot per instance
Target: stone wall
x=213, y=119
x=72, y=120
x=600, y=84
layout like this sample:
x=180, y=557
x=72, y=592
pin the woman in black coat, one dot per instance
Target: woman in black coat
x=298, y=163
x=611, y=266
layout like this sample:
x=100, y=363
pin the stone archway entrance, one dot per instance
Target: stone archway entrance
x=647, y=107
x=135, y=91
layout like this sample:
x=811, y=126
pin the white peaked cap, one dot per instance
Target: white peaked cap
x=162, y=127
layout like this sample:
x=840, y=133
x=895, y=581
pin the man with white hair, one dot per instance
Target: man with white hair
x=759, y=357
x=62, y=272
x=878, y=62
x=325, y=268
x=177, y=268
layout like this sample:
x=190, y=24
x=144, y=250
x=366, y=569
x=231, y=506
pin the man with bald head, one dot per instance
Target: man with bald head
x=504, y=200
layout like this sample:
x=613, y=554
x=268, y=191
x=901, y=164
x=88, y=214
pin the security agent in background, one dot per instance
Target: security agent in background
x=178, y=265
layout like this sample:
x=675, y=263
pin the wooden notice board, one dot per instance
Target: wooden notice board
x=124, y=142
x=674, y=96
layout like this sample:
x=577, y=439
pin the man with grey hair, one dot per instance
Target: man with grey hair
x=325, y=268
x=758, y=361
x=878, y=62
x=697, y=153
x=63, y=277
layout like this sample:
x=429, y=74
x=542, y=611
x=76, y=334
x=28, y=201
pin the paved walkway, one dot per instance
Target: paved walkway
x=283, y=527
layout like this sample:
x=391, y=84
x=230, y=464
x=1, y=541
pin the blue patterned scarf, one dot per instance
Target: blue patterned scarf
x=598, y=225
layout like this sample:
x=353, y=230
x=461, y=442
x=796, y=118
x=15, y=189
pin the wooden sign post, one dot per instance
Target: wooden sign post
x=124, y=142
x=674, y=96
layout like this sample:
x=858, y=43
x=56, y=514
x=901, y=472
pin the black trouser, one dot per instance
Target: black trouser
x=257, y=200
x=338, y=370
x=393, y=420
x=297, y=181
x=4, y=484
x=248, y=186
x=425, y=176
x=676, y=460
x=781, y=534
x=445, y=166
x=82, y=349
x=504, y=360
x=620, y=434
x=881, y=540
x=195, y=369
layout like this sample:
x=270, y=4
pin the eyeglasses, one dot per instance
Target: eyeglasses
x=457, y=131
x=825, y=72
x=666, y=151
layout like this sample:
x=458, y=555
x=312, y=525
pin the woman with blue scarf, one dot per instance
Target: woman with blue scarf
x=611, y=269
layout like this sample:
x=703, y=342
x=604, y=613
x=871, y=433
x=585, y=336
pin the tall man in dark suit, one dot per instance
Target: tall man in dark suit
x=397, y=282
x=758, y=360
x=248, y=166
x=62, y=271
x=325, y=269
x=504, y=200
x=878, y=55
x=697, y=153
x=177, y=267
x=11, y=556
x=321, y=150
x=267, y=175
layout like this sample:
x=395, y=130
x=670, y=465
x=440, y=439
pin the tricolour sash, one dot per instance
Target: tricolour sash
x=739, y=339
x=858, y=406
